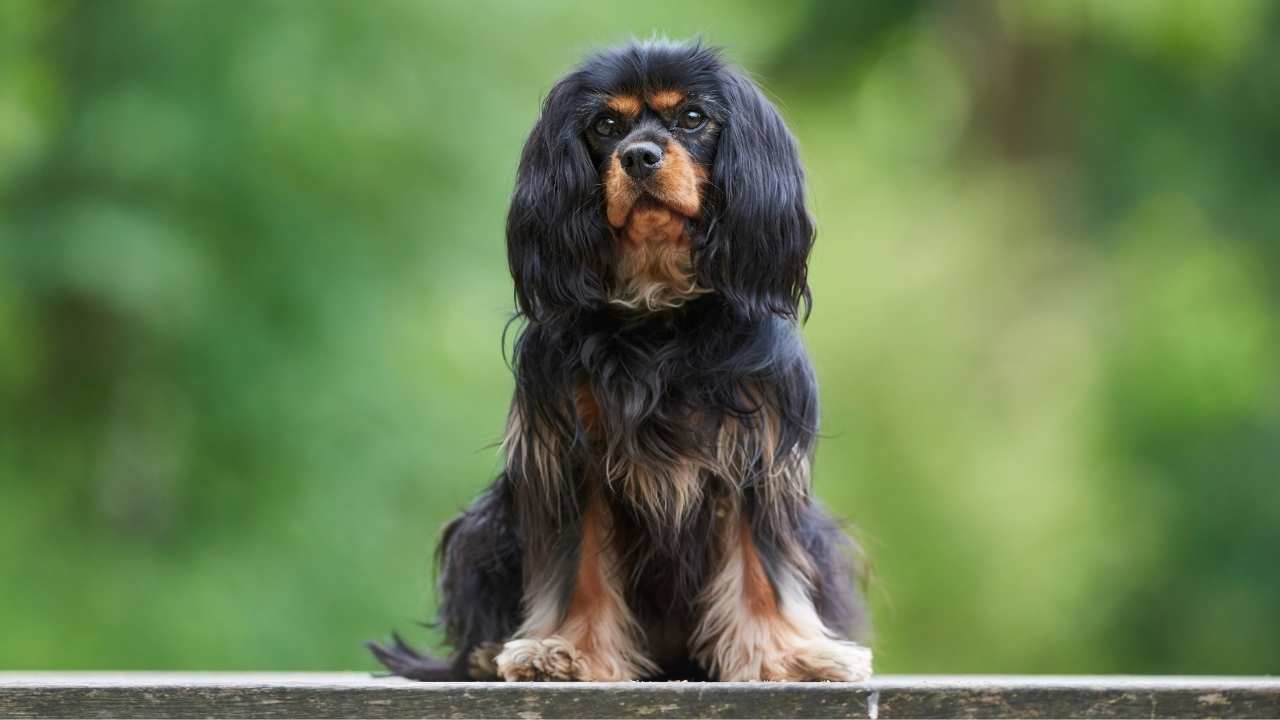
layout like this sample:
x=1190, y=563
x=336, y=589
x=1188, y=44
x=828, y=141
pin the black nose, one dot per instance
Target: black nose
x=641, y=159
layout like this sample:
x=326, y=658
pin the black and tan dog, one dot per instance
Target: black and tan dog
x=655, y=517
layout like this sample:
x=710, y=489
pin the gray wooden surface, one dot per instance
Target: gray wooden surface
x=329, y=695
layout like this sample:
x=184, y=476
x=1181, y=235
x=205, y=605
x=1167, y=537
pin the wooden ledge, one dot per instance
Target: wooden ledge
x=332, y=695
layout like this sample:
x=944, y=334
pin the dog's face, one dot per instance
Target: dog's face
x=654, y=152
x=657, y=174
x=655, y=148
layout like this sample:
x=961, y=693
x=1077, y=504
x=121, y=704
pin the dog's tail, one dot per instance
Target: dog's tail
x=406, y=662
x=480, y=589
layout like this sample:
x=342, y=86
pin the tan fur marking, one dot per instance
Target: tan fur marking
x=678, y=183
x=596, y=637
x=656, y=227
x=625, y=105
x=743, y=636
x=665, y=100
x=757, y=593
x=620, y=193
x=590, y=596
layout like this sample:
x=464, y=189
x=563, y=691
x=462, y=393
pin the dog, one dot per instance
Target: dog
x=655, y=518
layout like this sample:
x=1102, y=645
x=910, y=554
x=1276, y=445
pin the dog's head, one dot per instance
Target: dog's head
x=655, y=174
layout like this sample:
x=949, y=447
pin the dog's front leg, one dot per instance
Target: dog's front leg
x=588, y=635
x=759, y=624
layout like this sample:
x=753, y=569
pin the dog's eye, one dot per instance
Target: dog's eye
x=605, y=126
x=692, y=119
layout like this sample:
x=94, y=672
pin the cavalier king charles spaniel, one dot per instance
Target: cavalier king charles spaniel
x=655, y=517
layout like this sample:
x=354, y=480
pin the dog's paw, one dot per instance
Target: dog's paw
x=532, y=660
x=825, y=660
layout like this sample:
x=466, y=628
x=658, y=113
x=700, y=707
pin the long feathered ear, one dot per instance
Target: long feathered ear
x=556, y=237
x=756, y=248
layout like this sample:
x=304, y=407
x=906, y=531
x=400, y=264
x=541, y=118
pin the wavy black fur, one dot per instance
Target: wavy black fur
x=664, y=382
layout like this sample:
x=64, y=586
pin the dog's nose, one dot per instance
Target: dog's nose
x=641, y=159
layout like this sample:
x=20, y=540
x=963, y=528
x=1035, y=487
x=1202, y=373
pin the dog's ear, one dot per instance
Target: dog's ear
x=557, y=242
x=756, y=248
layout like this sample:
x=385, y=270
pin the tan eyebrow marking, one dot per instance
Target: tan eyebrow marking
x=664, y=100
x=626, y=105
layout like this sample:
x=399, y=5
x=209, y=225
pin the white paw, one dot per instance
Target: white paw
x=826, y=660
x=530, y=660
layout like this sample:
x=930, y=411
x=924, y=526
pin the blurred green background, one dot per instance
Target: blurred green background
x=252, y=285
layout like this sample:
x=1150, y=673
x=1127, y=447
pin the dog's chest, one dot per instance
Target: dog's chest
x=625, y=406
x=655, y=454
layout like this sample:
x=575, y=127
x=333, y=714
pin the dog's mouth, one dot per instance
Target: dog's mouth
x=625, y=204
x=643, y=204
x=630, y=198
x=651, y=221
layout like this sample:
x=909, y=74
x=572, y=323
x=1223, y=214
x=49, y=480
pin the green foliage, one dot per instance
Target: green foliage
x=252, y=285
